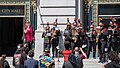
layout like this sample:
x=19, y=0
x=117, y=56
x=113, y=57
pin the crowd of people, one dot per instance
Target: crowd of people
x=101, y=39
x=78, y=43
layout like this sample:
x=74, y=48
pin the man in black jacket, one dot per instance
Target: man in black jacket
x=31, y=63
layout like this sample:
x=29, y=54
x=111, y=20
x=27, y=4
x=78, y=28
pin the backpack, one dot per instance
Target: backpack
x=6, y=64
x=44, y=60
x=79, y=61
x=73, y=60
x=17, y=59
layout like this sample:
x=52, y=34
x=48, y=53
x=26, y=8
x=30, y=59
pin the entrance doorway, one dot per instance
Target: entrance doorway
x=11, y=32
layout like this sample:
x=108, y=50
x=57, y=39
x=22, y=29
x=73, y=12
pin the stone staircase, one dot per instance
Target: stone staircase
x=59, y=64
x=91, y=63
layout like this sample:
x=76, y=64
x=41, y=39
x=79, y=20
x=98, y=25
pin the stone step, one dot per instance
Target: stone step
x=91, y=63
x=92, y=67
x=59, y=64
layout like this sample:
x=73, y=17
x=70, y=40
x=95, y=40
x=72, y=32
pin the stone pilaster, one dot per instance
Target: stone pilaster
x=38, y=33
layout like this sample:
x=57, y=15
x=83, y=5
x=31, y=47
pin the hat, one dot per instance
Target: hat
x=67, y=19
x=47, y=23
x=91, y=26
x=55, y=23
x=111, y=17
x=74, y=19
x=68, y=23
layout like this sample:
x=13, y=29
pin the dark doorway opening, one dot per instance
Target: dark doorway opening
x=11, y=32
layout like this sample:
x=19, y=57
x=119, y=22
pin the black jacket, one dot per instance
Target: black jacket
x=31, y=63
x=112, y=65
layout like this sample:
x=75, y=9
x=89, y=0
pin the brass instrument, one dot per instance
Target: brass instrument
x=74, y=34
x=75, y=39
x=53, y=36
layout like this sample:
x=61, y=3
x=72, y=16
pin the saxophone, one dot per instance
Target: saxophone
x=53, y=34
x=74, y=34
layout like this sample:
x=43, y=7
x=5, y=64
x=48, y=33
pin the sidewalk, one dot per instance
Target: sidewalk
x=57, y=64
x=88, y=63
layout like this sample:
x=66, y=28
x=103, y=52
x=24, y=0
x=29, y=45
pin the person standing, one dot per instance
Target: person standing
x=71, y=63
x=75, y=40
x=31, y=63
x=66, y=52
x=47, y=36
x=79, y=56
x=68, y=32
x=28, y=34
x=103, y=48
x=92, y=44
x=19, y=58
x=55, y=38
